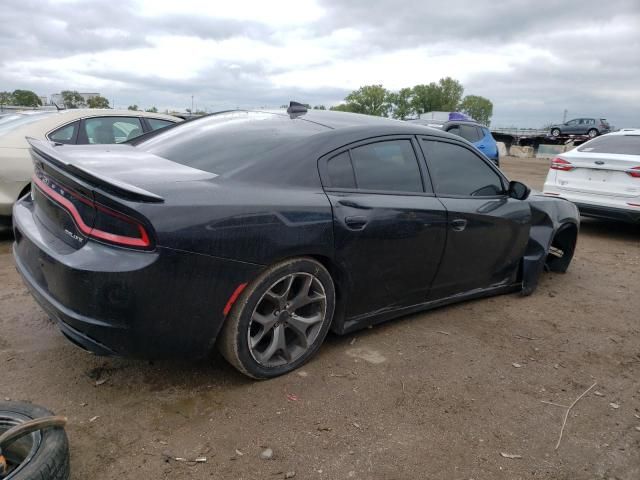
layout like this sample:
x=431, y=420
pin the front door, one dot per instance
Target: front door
x=487, y=230
x=389, y=228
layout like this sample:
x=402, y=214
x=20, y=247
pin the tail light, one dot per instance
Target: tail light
x=561, y=164
x=634, y=172
x=95, y=220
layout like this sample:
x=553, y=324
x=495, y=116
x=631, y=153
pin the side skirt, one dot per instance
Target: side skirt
x=390, y=313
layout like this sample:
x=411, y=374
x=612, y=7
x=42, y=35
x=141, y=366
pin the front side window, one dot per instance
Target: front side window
x=390, y=165
x=66, y=134
x=106, y=130
x=456, y=171
x=572, y=122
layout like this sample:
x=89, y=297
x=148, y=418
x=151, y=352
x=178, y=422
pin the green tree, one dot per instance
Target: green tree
x=72, y=99
x=370, y=100
x=98, y=102
x=6, y=98
x=401, y=103
x=319, y=107
x=343, y=107
x=26, y=98
x=133, y=107
x=450, y=94
x=426, y=98
x=479, y=108
x=152, y=110
x=435, y=97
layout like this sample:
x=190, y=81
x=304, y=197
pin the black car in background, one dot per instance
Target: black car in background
x=581, y=126
x=260, y=231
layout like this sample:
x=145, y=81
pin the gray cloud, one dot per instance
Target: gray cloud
x=31, y=29
x=594, y=45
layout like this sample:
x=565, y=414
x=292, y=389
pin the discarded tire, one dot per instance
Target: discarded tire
x=42, y=455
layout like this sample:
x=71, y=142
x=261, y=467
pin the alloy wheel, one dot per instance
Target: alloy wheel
x=287, y=319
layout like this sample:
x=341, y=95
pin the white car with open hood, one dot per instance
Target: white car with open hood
x=601, y=176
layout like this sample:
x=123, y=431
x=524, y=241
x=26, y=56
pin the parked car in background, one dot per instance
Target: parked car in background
x=601, y=176
x=260, y=231
x=581, y=126
x=70, y=127
x=470, y=130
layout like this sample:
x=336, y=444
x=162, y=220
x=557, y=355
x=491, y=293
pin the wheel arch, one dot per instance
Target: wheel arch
x=340, y=279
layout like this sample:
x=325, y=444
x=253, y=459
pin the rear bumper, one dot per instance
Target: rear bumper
x=597, y=206
x=609, y=213
x=113, y=301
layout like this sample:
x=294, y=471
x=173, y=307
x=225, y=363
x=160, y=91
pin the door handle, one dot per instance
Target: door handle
x=458, y=225
x=480, y=146
x=357, y=222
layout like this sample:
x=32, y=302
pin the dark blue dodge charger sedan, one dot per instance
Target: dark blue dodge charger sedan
x=259, y=231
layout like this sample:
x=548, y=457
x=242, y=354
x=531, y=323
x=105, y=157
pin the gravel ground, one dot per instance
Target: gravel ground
x=442, y=394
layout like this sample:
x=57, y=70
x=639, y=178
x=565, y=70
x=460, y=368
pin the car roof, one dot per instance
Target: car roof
x=49, y=120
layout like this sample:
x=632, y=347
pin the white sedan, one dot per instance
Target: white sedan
x=74, y=127
x=601, y=176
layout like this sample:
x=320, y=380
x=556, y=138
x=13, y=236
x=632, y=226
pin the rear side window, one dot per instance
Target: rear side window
x=456, y=171
x=157, y=124
x=619, y=144
x=470, y=132
x=107, y=130
x=340, y=171
x=455, y=130
x=391, y=165
x=66, y=134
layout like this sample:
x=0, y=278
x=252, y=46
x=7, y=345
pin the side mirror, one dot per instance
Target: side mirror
x=518, y=190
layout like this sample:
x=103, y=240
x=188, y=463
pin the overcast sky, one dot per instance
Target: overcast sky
x=532, y=59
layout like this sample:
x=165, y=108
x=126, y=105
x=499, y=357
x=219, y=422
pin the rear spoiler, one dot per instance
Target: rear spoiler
x=47, y=152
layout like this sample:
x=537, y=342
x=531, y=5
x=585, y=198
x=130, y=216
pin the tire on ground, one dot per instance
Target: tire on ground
x=51, y=459
x=233, y=340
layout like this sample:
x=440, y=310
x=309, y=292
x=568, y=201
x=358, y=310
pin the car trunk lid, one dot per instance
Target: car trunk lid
x=599, y=174
x=91, y=192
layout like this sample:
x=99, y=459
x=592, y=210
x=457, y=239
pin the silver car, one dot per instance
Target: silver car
x=73, y=127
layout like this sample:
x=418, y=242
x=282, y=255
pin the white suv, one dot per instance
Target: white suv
x=601, y=176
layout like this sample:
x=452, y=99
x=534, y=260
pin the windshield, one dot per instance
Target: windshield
x=11, y=122
x=619, y=144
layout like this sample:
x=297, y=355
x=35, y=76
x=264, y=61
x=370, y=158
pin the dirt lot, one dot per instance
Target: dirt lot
x=437, y=395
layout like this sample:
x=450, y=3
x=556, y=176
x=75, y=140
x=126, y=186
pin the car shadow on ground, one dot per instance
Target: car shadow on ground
x=610, y=229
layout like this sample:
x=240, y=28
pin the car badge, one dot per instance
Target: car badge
x=599, y=162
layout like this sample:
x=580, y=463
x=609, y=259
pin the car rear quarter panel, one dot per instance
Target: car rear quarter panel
x=245, y=222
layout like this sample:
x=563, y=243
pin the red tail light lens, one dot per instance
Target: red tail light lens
x=561, y=164
x=108, y=225
x=634, y=172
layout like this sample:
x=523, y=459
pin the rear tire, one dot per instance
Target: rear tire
x=46, y=453
x=280, y=320
x=593, y=133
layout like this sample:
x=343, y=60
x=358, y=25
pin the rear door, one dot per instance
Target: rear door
x=607, y=165
x=487, y=231
x=389, y=228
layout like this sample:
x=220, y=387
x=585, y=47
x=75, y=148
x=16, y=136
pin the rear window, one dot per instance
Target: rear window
x=619, y=144
x=228, y=142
